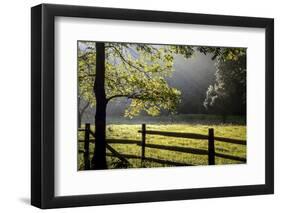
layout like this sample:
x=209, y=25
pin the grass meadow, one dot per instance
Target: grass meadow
x=166, y=158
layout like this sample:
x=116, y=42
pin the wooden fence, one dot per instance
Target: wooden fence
x=86, y=151
x=210, y=138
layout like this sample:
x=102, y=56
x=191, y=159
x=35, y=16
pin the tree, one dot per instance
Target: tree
x=228, y=94
x=137, y=72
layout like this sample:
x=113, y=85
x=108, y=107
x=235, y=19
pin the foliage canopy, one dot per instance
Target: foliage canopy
x=138, y=72
x=134, y=71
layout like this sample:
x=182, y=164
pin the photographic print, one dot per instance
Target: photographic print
x=158, y=105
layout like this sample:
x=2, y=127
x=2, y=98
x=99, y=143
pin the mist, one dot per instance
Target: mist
x=191, y=76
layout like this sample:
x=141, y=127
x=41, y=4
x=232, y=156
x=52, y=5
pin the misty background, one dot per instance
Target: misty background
x=192, y=77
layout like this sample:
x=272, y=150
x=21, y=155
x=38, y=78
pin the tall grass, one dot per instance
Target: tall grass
x=165, y=158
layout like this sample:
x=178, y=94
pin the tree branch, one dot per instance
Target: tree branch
x=128, y=96
x=128, y=63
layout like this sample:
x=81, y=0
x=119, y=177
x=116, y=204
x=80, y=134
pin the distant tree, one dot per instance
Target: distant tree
x=228, y=94
x=137, y=72
x=86, y=73
x=81, y=109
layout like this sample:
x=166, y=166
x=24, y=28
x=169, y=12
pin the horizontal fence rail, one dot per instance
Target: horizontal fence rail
x=194, y=136
x=230, y=140
x=176, y=134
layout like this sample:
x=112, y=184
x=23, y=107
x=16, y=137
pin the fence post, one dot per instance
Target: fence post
x=86, y=147
x=143, y=141
x=211, y=147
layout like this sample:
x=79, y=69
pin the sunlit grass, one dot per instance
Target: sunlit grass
x=130, y=132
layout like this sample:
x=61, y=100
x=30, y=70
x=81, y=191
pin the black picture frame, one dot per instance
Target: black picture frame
x=43, y=105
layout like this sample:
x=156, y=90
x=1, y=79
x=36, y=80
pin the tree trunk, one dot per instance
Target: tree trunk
x=99, y=158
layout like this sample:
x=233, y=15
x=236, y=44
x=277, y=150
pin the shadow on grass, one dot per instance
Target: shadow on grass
x=158, y=146
x=230, y=157
x=154, y=160
x=123, y=157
